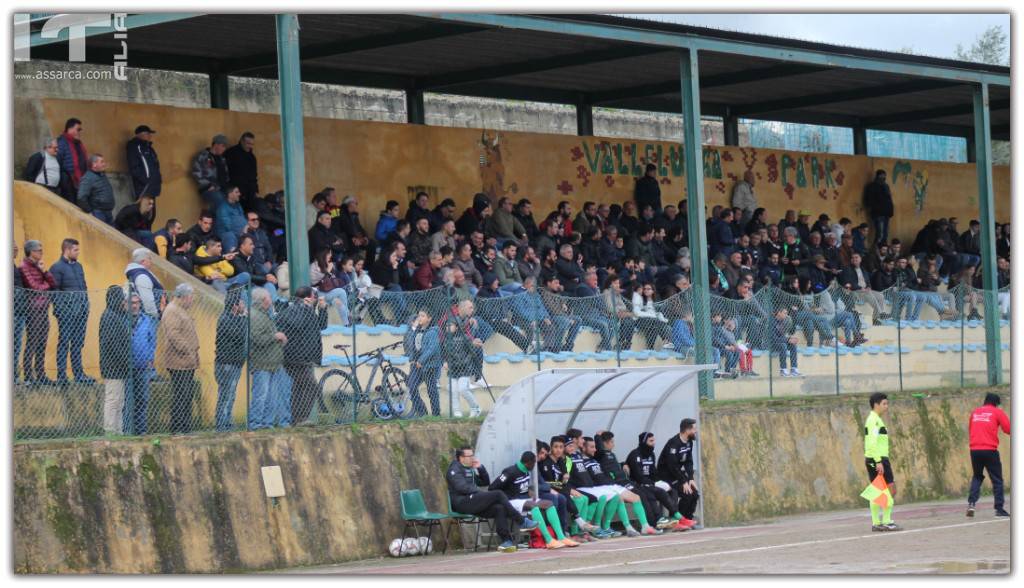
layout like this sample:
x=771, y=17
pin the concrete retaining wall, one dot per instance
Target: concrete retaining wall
x=197, y=504
x=767, y=458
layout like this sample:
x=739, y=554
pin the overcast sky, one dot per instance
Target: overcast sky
x=925, y=34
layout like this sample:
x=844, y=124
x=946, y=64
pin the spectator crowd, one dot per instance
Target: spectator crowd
x=457, y=278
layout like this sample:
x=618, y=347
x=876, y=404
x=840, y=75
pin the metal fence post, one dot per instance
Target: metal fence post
x=899, y=336
x=535, y=300
x=356, y=391
x=616, y=328
x=960, y=303
x=248, y=353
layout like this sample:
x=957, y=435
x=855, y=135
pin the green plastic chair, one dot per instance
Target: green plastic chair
x=460, y=519
x=415, y=513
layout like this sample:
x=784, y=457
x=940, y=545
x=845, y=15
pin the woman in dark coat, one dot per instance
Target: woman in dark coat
x=115, y=358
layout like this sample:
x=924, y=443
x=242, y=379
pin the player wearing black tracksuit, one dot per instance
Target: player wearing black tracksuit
x=643, y=471
x=675, y=466
x=466, y=497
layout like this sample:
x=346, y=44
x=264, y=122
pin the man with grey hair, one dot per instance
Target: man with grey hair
x=794, y=254
x=43, y=168
x=270, y=403
x=37, y=320
x=141, y=281
x=210, y=170
x=95, y=194
x=180, y=356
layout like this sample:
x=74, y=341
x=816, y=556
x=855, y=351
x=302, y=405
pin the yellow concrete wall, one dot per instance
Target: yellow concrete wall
x=39, y=214
x=378, y=161
x=769, y=458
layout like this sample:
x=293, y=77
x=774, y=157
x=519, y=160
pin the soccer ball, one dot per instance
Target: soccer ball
x=426, y=545
x=395, y=548
x=400, y=549
x=412, y=546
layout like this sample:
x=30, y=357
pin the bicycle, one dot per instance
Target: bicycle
x=342, y=395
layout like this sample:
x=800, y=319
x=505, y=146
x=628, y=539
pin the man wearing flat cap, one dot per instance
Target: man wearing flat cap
x=143, y=164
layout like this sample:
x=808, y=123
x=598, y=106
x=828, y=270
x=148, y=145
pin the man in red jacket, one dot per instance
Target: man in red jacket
x=37, y=318
x=984, y=428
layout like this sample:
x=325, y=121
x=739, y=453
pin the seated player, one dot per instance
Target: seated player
x=514, y=481
x=604, y=444
x=554, y=465
x=675, y=466
x=641, y=463
x=465, y=476
x=580, y=480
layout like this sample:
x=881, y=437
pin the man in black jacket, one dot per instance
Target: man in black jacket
x=44, y=169
x=347, y=225
x=246, y=262
x=242, y=169
x=143, y=164
x=554, y=470
x=321, y=237
x=514, y=481
x=465, y=476
x=642, y=467
x=648, y=192
x=201, y=231
x=301, y=323
x=878, y=202
x=136, y=221
x=675, y=466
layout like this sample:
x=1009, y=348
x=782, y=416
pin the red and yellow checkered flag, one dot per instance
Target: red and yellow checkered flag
x=877, y=492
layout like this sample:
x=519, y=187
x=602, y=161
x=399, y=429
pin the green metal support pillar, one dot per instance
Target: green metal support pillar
x=731, y=128
x=584, y=118
x=219, y=91
x=415, y=112
x=689, y=76
x=983, y=153
x=860, y=141
x=293, y=147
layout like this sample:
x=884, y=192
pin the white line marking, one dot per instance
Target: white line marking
x=770, y=547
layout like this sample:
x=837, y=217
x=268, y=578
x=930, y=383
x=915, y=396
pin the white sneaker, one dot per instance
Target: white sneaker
x=784, y=373
x=457, y=414
x=795, y=373
x=474, y=412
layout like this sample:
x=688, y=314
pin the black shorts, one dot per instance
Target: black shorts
x=872, y=473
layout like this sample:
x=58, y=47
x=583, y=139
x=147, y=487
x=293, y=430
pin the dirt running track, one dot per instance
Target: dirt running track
x=937, y=538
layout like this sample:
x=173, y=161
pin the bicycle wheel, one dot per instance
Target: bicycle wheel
x=393, y=399
x=341, y=396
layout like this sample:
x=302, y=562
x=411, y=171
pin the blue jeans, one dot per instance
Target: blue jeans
x=105, y=216
x=338, y=298
x=881, y=228
x=431, y=376
x=933, y=300
x=146, y=238
x=271, y=401
x=911, y=302
x=847, y=322
x=731, y=359
x=223, y=285
x=227, y=376
x=561, y=335
x=213, y=200
x=70, y=340
x=272, y=290
x=281, y=396
x=602, y=325
x=783, y=349
x=19, y=331
x=809, y=322
x=135, y=418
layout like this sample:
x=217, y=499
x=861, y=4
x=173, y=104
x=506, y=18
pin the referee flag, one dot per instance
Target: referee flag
x=877, y=492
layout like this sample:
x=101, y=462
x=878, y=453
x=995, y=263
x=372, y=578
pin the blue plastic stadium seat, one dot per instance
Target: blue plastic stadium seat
x=825, y=351
x=873, y=349
x=859, y=351
x=888, y=323
x=515, y=358
x=581, y=357
x=757, y=352
x=945, y=324
x=561, y=357
x=644, y=354
x=662, y=355
x=930, y=324
x=493, y=358
x=942, y=348
x=807, y=351
x=845, y=351
x=889, y=349
x=915, y=324
x=1004, y=346
x=973, y=324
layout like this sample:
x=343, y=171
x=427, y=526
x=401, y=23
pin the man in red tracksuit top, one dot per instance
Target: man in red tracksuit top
x=984, y=432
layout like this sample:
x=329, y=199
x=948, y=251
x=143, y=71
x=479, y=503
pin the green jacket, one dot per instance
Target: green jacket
x=267, y=352
x=876, y=438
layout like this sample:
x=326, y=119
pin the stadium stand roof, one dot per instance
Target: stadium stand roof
x=593, y=60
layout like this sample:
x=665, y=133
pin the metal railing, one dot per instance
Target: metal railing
x=109, y=363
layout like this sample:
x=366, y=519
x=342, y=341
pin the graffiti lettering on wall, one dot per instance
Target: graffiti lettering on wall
x=916, y=180
x=613, y=160
x=492, y=167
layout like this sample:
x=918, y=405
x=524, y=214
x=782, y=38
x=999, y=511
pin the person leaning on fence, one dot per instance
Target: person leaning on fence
x=37, y=320
x=301, y=324
x=463, y=352
x=141, y=281
x=422, y=346
x=18, y=311
x=270, y=403
x=71, y=309
x=115, y=360
x=180, y=356
x=144, y=328
x=230, y=353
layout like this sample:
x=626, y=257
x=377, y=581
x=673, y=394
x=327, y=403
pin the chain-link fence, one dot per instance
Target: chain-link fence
x=120, y=362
